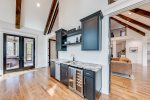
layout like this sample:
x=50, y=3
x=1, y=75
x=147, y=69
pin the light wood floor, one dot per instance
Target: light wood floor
x=137, y=89
x=38, y=85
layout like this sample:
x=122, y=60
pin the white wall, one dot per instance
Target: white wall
x=134, y=57
x=71, y=11
x=145, y=51
x=133, y=42
x=40, y=46
x=42, y=52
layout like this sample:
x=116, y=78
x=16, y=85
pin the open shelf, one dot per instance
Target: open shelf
x=73, y=33
x=75, y=43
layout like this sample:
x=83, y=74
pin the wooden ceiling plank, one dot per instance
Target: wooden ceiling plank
x=18, y=13
x=134, y=29
x=141, y=12
x=134, y=21
x=54, y=2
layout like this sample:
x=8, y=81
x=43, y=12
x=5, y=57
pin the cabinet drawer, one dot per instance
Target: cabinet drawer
x=63, y=66
x=89, y=73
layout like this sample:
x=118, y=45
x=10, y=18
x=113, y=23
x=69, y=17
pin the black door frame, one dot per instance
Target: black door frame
x=21, y=53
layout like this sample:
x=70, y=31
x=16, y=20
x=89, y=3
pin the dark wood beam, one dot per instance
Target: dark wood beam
x=51, y=12
x=141, y=12
x=53, y=19
x=111, y=1
x=126, y=25
x=18, y=13
x=134, y=21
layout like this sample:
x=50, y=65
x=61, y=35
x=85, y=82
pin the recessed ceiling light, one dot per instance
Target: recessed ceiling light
x=38, y=4
x=129, y=13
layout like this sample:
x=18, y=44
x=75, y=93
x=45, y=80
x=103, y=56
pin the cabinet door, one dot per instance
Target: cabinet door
x=64, y=76
x=52, y=68
x=58, y=42
x=90, y=34
x=89, y=89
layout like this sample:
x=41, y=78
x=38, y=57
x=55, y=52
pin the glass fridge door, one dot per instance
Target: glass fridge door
x=71, y=78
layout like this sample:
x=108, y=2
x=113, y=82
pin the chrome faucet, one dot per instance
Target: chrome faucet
x=73, y=58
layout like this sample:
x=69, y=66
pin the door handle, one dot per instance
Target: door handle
x=66, y=73
x=84, y=81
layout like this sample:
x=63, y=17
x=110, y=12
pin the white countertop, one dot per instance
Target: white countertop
x=78, y=64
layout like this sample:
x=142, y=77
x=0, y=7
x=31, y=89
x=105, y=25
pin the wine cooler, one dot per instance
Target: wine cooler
x=76, y=80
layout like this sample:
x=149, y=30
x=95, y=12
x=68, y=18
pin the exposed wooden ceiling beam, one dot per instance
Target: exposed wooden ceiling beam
x=134, y=29
x=18, y=13
x=53, y=19
x=52, y=9
x=141, y=12
x=134, y=21
x=111, y=1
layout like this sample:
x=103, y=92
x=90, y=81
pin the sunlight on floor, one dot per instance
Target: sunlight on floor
x=14, y=74
x=52, y=90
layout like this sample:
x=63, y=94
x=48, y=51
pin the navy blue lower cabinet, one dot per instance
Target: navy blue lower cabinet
x=52, y=69
x=92, y=84
x=89, y=85
x=89, y=92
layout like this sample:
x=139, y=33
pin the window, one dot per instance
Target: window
x=29, y=47
x=12, y=49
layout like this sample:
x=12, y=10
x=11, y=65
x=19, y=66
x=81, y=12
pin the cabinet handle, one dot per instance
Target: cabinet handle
x=84, y=80
x=66, y=73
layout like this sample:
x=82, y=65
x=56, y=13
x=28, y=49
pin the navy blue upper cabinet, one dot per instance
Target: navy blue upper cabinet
x=92, y=31
x=61, y=38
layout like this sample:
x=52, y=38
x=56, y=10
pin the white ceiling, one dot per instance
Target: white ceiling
x=31, y=16
x=145, y=7
x=115, y=25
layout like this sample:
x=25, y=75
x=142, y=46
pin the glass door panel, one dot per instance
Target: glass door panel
x=12, y=52
x=28, y=52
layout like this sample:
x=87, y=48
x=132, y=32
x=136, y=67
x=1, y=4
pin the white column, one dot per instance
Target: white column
x=145, y=51
x=1, y=53
x=114, y=48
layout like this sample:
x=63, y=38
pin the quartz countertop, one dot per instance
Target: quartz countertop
x=78, y=64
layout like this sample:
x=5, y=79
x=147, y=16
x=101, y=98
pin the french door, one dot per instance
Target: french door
x=19, y=53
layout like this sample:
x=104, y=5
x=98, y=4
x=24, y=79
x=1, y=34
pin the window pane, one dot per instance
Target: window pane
x=12, y=49
x=28, y=52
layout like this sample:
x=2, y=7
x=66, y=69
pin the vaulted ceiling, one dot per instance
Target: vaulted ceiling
x=138, y=20
x=34, y=13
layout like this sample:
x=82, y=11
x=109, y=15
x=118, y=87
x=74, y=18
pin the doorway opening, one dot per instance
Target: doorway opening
x=19, y=53
x=130, y=65
x=53, y=54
